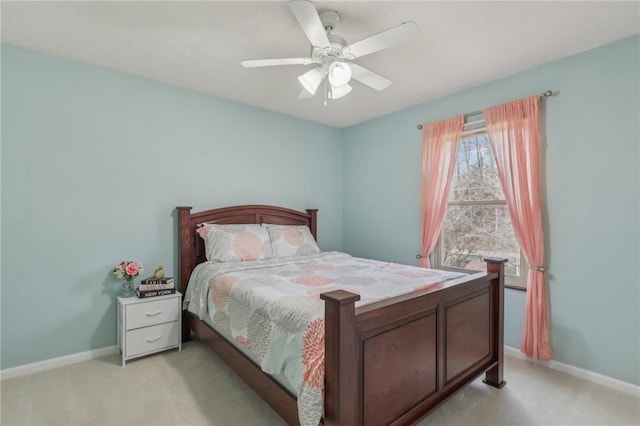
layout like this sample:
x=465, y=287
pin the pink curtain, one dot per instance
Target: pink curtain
x=439, y=153
x=514, y=131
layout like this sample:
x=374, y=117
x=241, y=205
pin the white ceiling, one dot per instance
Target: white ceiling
x=199, y=45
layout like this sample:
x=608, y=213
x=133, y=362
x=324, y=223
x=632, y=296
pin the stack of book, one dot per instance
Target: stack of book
x=151, y=287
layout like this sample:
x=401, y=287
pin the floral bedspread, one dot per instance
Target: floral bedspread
x=272, y=308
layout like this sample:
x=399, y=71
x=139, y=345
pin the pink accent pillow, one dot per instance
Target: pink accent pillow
x=231, y=243
x=292, y=240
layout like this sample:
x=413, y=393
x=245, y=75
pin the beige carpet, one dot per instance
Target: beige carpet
x=194, y=387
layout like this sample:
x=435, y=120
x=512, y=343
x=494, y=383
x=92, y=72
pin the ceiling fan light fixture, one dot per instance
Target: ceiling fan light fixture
x=338, y=92
x=339, y=74
x=311, y=80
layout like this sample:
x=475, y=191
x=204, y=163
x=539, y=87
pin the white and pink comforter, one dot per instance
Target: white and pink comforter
x=272, y=308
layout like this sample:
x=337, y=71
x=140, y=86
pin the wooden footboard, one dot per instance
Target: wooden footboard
x=392, y=362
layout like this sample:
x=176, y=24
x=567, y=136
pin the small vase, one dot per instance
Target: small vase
x=127, y=289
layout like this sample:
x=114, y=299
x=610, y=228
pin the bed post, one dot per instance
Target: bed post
x=341, y=359
x=494, y=376
x=313, y=222
x=185, y=260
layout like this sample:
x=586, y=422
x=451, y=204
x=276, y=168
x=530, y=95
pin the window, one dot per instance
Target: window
x=477, y=223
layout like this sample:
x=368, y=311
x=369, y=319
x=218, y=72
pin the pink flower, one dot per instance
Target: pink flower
x=203, y=231
x=127, y=270
x=313, y=354
x=247, y=246
x=131, y=269
x=312, y=280
x=293, y=236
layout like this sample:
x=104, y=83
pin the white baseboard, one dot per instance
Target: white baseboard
x=600, y=379
x=603, y=380
x=48, y=364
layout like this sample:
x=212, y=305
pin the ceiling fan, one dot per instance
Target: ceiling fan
x=333, y=56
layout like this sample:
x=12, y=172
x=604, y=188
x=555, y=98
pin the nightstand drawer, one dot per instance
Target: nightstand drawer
x=153, y=312
x=152, y=339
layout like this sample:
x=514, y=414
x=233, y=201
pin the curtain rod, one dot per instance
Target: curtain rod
x=469, y=114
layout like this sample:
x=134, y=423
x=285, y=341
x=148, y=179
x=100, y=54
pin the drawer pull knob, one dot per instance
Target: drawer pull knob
x=154, y=339
x=153, y=314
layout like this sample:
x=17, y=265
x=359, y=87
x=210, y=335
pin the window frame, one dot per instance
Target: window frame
x=473, y=128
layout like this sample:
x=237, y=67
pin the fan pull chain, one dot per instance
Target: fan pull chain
x=325, y=92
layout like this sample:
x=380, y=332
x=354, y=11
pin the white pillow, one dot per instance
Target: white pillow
x=230, y=243
x=292, y=240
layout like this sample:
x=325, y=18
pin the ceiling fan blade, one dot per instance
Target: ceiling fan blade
x=370, y=78
x=391, y=37
x=308, y=18
x=253, y=63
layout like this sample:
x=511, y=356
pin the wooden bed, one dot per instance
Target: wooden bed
x=376, y=371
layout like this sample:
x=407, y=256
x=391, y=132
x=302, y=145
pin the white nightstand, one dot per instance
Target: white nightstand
x=150, y=325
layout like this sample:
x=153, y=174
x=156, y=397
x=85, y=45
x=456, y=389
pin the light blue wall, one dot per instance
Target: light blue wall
x=90, y=161
x=591, y=161
x=94, y=163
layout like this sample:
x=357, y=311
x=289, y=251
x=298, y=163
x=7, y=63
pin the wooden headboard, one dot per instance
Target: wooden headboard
x=191, y=246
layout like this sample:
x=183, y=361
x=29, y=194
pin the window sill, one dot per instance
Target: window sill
x=515, y=287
